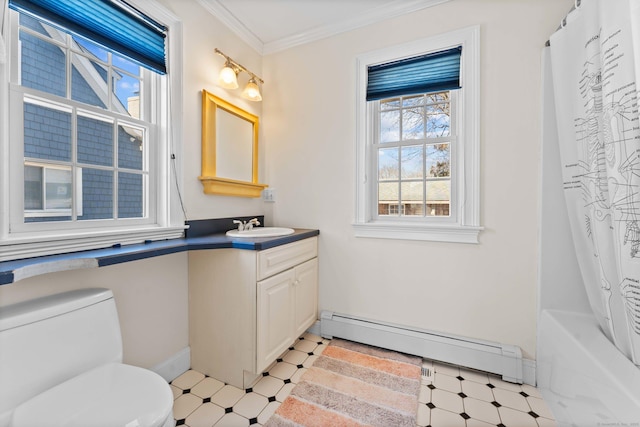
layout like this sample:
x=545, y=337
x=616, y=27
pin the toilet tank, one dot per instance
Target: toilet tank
x=49, y=340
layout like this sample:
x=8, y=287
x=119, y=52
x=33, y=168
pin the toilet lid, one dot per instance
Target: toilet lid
x=110, y=395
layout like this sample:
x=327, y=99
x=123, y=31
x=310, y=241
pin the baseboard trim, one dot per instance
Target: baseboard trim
x=174, y=366
x=502, y=359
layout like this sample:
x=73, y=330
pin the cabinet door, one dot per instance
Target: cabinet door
x=305, y=293
x=274, y=318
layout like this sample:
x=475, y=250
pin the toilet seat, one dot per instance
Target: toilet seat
x=110, y=395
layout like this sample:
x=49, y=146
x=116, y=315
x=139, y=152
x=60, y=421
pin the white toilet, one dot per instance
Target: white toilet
x=61, y=365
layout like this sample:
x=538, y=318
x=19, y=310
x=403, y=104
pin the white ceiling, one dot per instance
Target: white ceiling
x=273, y=25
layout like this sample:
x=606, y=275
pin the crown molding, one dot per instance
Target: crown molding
x=381, y=13
x=228, y=19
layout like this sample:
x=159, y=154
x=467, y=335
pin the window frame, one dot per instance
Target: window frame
x=464, y=224
x=18, y=241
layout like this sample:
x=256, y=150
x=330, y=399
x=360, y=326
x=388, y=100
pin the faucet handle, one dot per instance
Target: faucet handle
x=240, y=224
x=249, y=225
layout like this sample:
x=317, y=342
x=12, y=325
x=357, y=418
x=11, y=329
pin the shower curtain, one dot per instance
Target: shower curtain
x=595, y=60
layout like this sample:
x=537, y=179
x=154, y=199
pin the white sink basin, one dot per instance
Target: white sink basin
x=261, y=232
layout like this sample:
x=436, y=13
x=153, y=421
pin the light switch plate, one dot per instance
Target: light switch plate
x=269, y=195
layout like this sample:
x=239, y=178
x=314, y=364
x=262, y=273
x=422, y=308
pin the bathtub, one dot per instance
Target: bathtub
x=584, y=379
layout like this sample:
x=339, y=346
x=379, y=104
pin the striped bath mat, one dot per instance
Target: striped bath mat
x=355, y=385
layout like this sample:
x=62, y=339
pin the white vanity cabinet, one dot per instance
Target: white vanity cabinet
x=247, y=307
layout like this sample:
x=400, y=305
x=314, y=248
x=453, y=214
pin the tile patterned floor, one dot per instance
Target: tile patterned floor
x=449, y=397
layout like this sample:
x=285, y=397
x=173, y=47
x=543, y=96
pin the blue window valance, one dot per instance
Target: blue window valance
x=431, y=72
x=112, y=24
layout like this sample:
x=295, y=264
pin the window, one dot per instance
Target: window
x=412, y=138
x=418, y=148
x=88, y=147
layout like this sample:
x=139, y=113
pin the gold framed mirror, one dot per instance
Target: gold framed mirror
x=229, y=149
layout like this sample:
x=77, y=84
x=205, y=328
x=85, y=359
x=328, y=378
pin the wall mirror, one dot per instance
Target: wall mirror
x=229, y=149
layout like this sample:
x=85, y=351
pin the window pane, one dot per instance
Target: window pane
x=389, y=126
x=412, y=198
x=396, y=209
x=89, y=81
x=438, y=160
x=41, y=28
x=438, y=118
x=412, y=123
x=126, y=88
x=95, y=141
x=97, y=194
x=413, y=209
x=411, y=162
x=126, y=64
x=43, y=65
x=126, y=98
x=47, y=133
x=388, y=196
x=130, y=147
x=58, y=189
x=438, y=197
x=388, y=164
x=130, y=195
x=413, y=101
x=437, y=97
x=90, y=48
x=33, y=197
x=48, y=193
x=391, y=103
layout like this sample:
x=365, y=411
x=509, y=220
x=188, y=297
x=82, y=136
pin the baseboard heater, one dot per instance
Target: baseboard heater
x=500, y=359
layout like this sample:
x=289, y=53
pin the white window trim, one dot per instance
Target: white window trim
x=169, y=222
x=466, y=227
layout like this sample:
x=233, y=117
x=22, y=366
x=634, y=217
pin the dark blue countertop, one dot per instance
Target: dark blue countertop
x=11, y=271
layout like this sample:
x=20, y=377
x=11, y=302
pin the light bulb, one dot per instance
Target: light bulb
x=252, y=91
x=228, y=78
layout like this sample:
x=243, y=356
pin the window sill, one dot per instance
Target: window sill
x=31, y=245
x=431, y=232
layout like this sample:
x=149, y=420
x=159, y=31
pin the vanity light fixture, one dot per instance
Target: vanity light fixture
x=228, y=78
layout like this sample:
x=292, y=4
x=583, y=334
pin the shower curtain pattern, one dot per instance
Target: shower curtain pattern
x=594, y=77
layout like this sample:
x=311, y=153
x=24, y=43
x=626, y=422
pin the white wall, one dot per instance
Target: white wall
x=485, y=291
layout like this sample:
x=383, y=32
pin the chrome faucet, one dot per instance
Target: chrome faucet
x=246, y=225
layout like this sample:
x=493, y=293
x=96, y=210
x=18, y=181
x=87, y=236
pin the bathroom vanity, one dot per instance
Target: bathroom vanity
x=246, y=307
